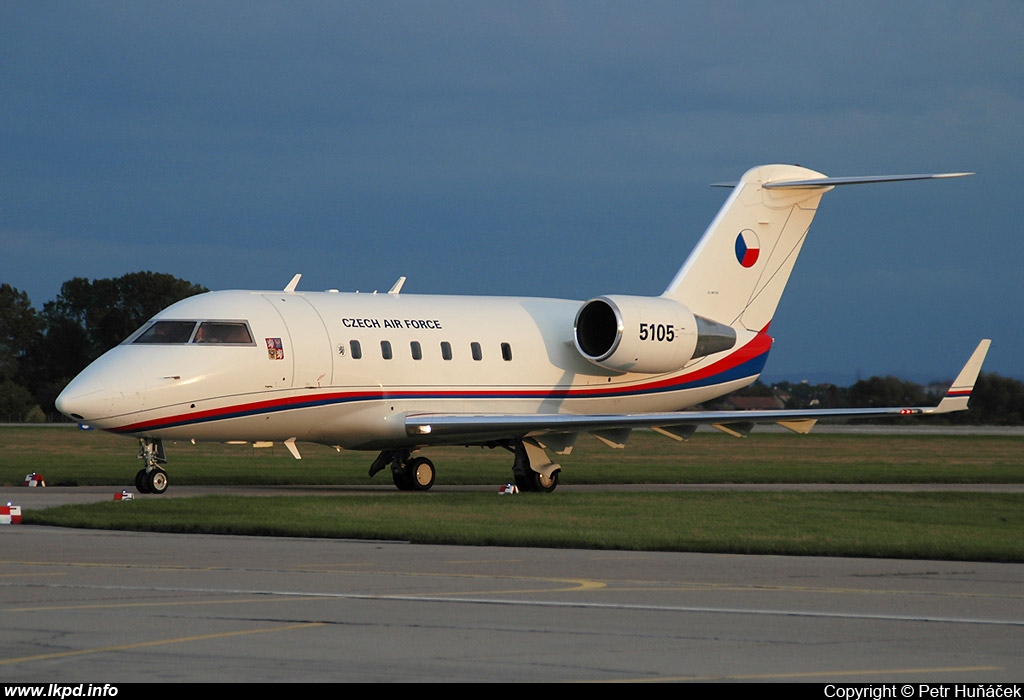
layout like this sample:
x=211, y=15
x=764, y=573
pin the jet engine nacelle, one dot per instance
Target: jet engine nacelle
x=650, y=335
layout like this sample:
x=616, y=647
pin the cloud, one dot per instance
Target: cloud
x=520, y=148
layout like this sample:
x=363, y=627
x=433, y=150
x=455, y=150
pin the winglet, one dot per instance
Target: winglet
x=294, y=283
x=960, y=392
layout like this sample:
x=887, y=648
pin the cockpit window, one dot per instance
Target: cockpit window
x=235, y=333
x=167, y=332
x=181, y=332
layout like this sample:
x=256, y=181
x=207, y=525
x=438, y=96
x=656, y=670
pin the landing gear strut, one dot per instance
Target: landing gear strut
x=409, y=473
x=152, y=478
x=532, y=469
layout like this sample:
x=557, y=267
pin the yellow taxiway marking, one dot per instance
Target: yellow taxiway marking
x=156, y=642
x=270, y=597
x=568, y=583
x=32, y=574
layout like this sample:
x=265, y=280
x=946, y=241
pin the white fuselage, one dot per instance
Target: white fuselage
x=345, y=369
x=392, y=372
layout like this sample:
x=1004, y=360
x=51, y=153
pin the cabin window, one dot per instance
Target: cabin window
x=385, y=349
x=167, y=332
x=356, y=349
x=417, y=352
x=506, y=352
x=477, y=352
x=446, y=350
x=230, y=332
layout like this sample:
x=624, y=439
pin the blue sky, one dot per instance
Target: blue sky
x=557, y=149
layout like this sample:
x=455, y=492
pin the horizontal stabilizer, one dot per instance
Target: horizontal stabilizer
x=856, y=180
x=814, y=183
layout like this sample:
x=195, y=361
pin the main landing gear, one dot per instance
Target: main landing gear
x=409, y=473
x=152, y=478
x=532, y=470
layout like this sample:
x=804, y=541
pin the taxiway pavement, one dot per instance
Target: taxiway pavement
x=117, y=607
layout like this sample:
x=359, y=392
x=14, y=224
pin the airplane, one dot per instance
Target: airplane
x=395, y=373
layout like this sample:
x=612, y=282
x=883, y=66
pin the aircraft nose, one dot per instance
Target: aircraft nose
x=83, y=400
x=100, y=391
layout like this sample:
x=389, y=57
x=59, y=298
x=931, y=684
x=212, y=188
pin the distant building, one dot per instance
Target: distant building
x=754, y=403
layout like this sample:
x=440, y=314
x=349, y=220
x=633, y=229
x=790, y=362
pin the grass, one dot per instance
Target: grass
x=961, y=526
x=65, y=456
x=946, y=525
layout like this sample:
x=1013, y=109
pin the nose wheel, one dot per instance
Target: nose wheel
x=152, y=478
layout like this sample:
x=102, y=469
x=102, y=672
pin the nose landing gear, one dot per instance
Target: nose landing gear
x=152, y=478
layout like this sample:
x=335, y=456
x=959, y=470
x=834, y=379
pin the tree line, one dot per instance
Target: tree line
x=996, y=400
x=43, y=350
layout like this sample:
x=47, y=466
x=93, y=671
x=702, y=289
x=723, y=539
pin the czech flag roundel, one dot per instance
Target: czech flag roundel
x=747, y=248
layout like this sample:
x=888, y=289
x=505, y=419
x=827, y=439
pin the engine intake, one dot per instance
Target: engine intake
x=650, y=335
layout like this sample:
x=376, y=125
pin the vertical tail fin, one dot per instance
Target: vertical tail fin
x=739, y=269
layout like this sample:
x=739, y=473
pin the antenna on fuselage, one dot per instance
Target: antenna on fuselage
x=294, y=283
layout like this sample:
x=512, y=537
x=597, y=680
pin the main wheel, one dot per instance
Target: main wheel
x=142, y=481
x=420, y=473
x=157, y=481
x=532, y=481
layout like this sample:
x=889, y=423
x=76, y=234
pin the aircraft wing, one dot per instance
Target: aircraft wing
x=614, y=428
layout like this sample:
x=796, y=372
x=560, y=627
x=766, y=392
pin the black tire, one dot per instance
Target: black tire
x=142, y=481
x=402, y=480
x=525, y=482
x=546, y=484
x=532, y=482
